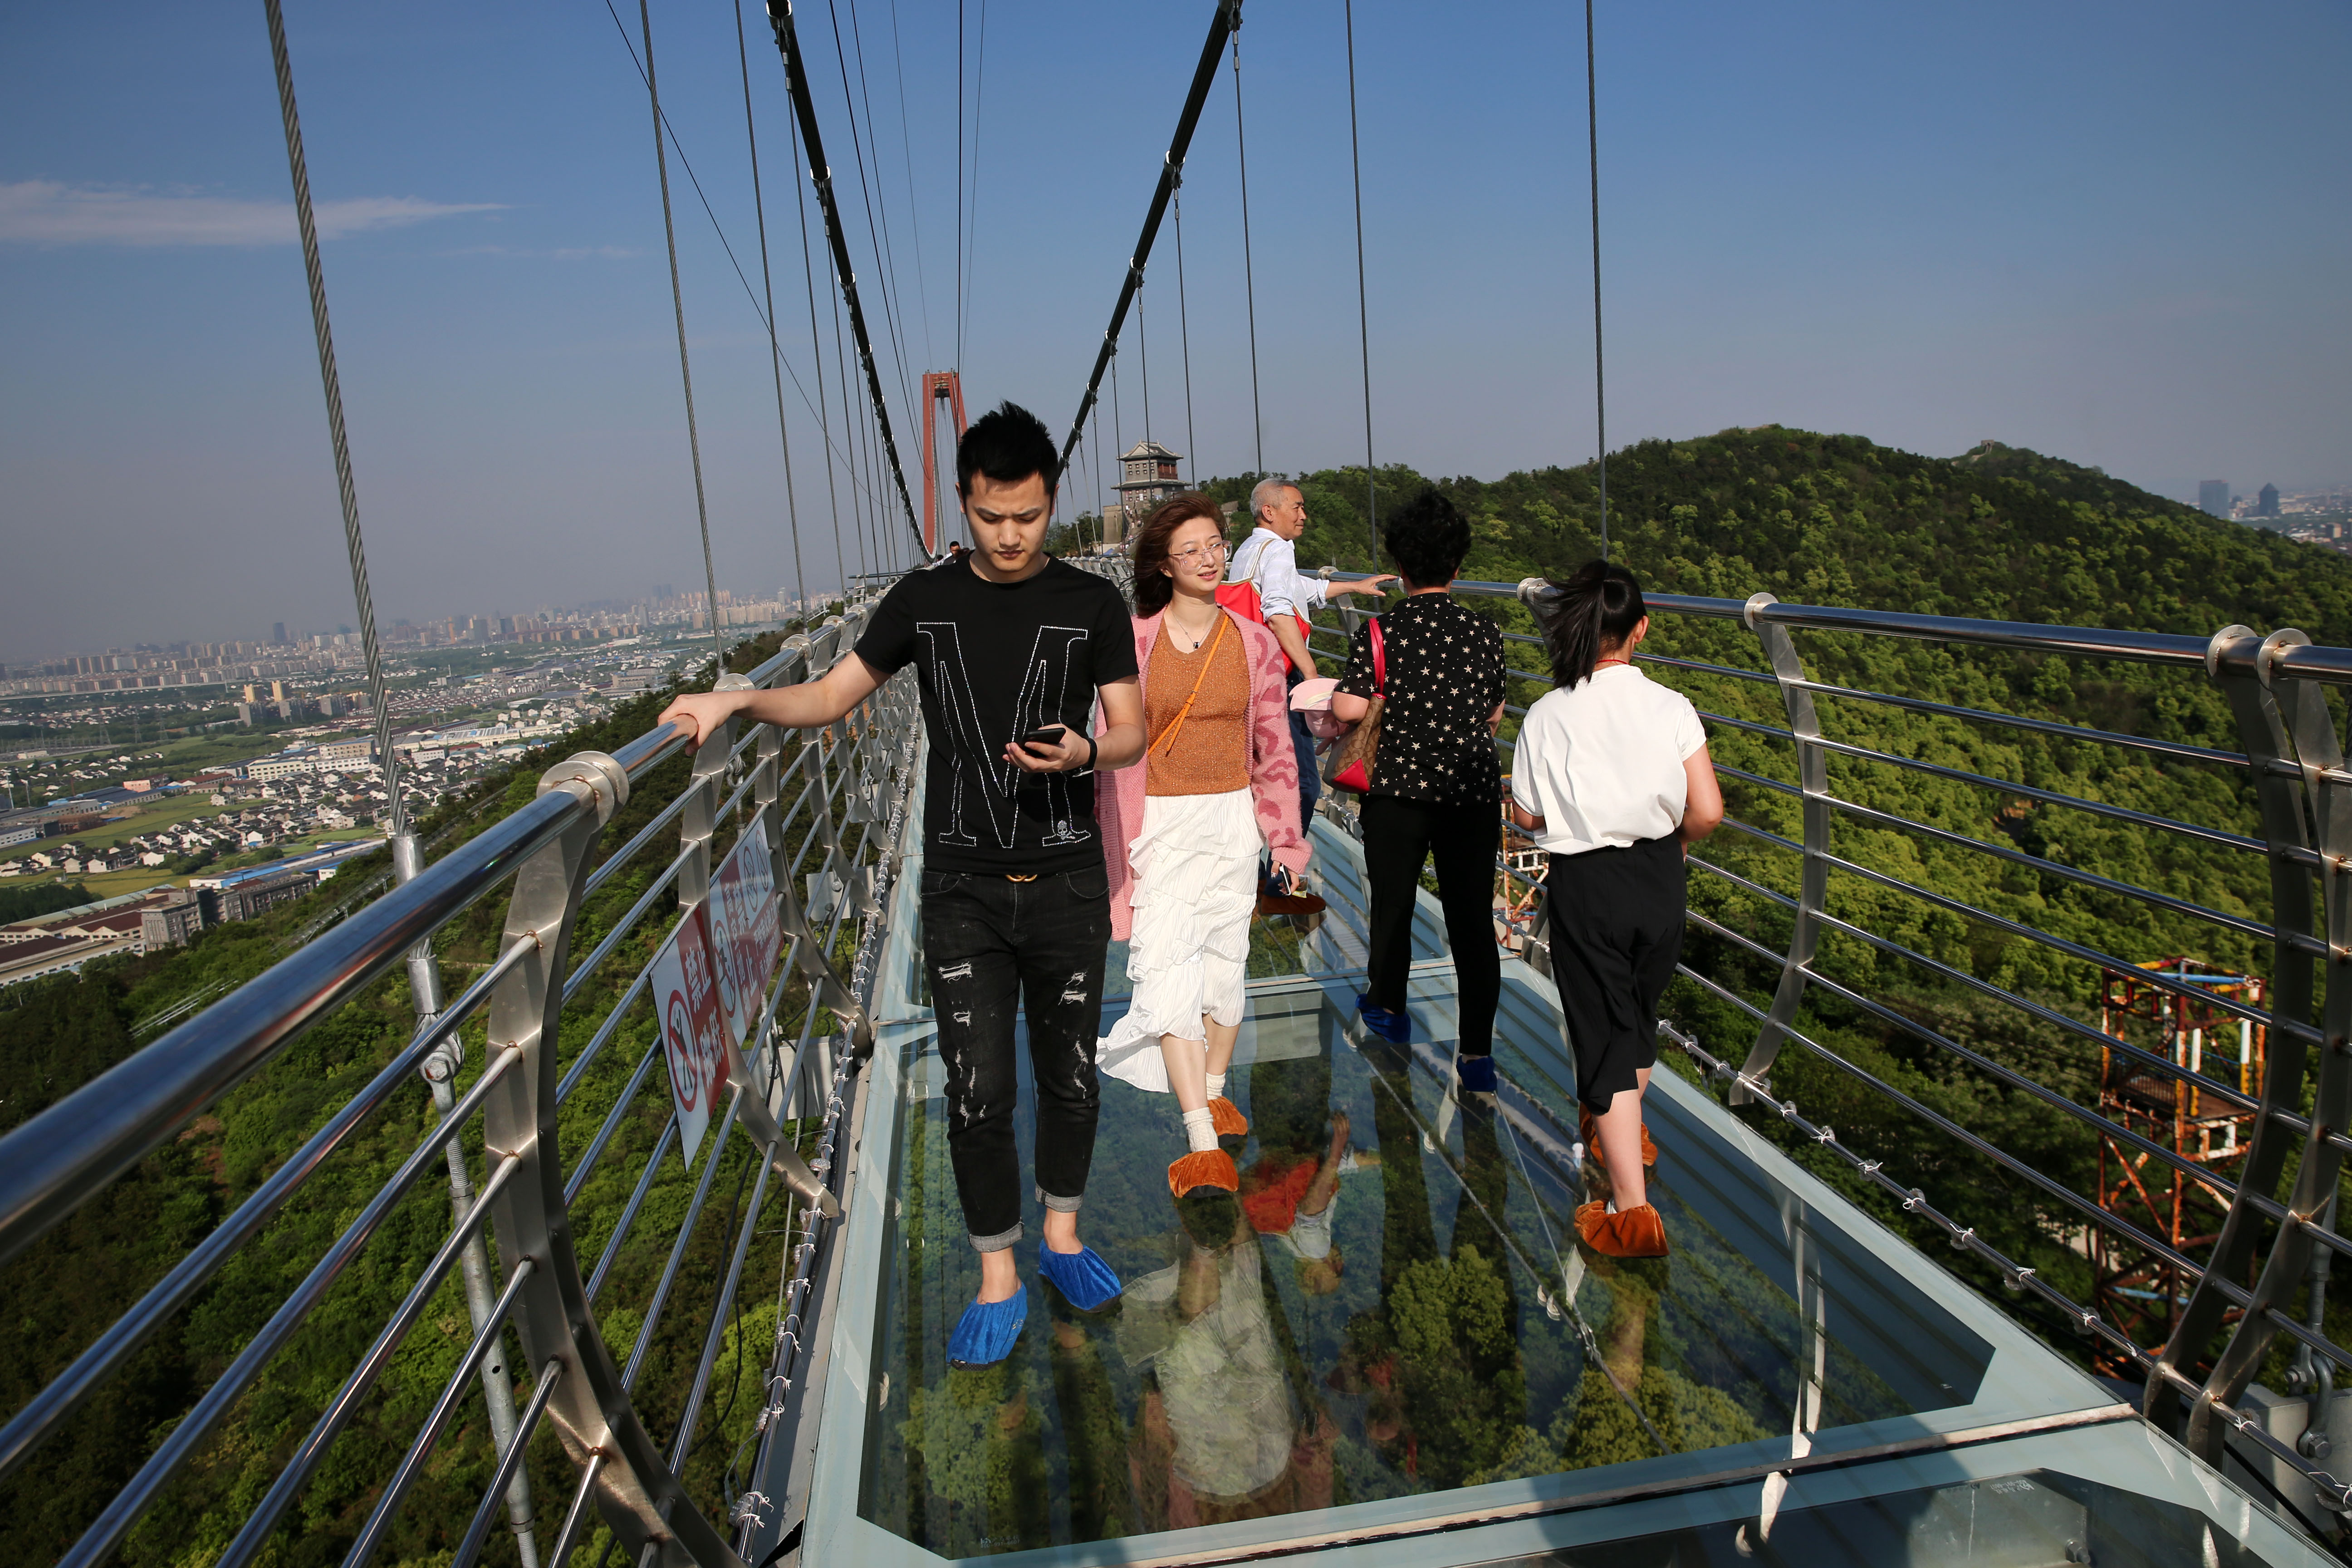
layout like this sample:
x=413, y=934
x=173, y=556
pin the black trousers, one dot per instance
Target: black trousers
x=1398, y=834
x=1616, y=918
x=997, y=947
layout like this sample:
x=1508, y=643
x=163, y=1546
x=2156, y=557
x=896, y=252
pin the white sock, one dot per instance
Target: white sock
x=1200, y=1130
x=1216, y=1085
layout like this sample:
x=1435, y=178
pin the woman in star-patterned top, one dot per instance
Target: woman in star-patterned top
x=1437, y=787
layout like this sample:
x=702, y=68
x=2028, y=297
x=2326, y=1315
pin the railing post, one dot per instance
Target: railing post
x=635, y=1491
x=1812, y=891
x=438, y=1068
x=2279, y=718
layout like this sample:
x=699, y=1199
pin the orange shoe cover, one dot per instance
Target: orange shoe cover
x=1229, y=1121
x=1588, y=1128
x=1630, y=1232
x=1204, y=1168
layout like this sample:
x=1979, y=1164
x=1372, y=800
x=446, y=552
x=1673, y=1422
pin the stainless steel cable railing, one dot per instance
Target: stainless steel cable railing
x=832, y=804
x=2237, y=1287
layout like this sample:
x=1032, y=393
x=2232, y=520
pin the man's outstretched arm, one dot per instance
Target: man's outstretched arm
x=804, y=707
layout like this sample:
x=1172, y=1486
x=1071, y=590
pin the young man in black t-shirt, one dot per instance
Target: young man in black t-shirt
x=1008, y=642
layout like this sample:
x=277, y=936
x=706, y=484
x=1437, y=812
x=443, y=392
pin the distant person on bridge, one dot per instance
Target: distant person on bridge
x=1435, y=788
x=1183, y=832
x=1611, y=776
x=1268, y=561
x=1015, y=649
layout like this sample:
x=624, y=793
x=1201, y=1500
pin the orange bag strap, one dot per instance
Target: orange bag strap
x=1167, y=736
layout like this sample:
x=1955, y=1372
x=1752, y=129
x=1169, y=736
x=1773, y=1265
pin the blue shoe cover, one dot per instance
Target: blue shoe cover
x=1082, y=1277
x=984, y=1334
x=1391, y=1025
x=1474, y=1074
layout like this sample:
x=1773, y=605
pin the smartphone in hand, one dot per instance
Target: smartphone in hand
x=1051, y=735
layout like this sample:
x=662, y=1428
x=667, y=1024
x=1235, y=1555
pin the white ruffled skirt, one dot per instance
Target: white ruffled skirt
x=1196, y=882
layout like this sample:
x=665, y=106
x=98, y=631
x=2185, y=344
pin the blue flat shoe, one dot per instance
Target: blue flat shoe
x=1475, y=1074
x=1082, y=1277
x=1388, y=1025
x=984, y=1334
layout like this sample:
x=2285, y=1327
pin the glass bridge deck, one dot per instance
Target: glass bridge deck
x=1452, y=1379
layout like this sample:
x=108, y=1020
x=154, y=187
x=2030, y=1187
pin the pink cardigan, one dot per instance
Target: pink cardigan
x=1273, y=769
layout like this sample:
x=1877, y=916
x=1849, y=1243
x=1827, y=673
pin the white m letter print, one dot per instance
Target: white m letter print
x=982, y=778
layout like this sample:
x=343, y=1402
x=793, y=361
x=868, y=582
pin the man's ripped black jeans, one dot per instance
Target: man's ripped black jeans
x=992, y=944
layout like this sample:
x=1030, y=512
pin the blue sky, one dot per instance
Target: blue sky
x=2114, y=233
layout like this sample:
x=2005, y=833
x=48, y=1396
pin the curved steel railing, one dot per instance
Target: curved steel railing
x=2238, y=1290
x=833, y=807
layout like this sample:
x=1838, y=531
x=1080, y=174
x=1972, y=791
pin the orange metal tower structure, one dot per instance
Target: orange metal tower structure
x=2140, y=1294
x=939, y=385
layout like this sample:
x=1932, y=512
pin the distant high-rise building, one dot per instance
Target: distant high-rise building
x=2266, y=501
x=2213, y=497
x=278, y=633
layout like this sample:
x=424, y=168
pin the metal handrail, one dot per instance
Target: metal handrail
x=63, y=1156
x=2290, y=754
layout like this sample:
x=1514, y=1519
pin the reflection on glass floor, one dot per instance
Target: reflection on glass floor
x=1389, y=1331
x=1388, y=1309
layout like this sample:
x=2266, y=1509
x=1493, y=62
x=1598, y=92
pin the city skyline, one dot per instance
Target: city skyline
x=1999, y=255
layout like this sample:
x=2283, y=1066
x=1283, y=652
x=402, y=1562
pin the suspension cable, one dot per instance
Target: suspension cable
x=1592, y=150
x=1118, y=442
x=914, y=207
x=851, y=438
x=1143, y=360
x=767, y=282
x=959, y=177
x=971, y=226
x=877, y=246
x=816, y=349
x=1203, y=76
x=1249, y=281
x=685, y=368
x=1095, y=460
x=1363, y=311
x=1184, y=337
x=345, y=487
x=717, y=228
x=779, y=18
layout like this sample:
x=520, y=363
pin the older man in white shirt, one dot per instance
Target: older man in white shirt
x=1268, y=558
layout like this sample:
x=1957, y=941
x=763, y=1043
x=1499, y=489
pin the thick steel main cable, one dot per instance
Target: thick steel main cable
x=779, y=19
x=346, y=488
x=1203, y=76
x=685, y=366
x=1363, y=308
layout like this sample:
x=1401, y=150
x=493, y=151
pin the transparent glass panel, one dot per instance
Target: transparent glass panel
x=2032, y=1521
x=1392, y=1305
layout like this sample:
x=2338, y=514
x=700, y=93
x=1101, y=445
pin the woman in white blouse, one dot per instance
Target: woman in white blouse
x=1612, y=778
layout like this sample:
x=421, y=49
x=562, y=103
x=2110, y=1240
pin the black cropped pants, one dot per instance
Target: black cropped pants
x=1616, y=918
x=996, y=948
x=1398, y=834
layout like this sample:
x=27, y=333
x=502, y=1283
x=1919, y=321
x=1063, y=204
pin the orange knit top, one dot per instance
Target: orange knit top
x=1211, y=754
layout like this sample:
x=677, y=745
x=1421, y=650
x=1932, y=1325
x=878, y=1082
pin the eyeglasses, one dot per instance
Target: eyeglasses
x=1192, y=552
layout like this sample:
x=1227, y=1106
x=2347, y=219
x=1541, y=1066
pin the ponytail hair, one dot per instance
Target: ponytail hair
x=1599, y=604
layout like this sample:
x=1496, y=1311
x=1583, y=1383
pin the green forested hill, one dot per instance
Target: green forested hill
x=2002, y=533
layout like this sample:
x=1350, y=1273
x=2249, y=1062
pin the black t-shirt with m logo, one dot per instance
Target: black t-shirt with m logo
x=997, y=660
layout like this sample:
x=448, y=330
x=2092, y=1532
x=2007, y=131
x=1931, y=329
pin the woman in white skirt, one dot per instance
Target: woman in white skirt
x=1184, y=833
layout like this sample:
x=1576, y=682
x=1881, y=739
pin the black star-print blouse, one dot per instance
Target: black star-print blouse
x=1444, y=678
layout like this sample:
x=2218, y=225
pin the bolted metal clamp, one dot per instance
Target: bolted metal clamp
x=600, y=779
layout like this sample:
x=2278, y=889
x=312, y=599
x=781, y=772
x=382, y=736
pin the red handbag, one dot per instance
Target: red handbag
x=1352, y=763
